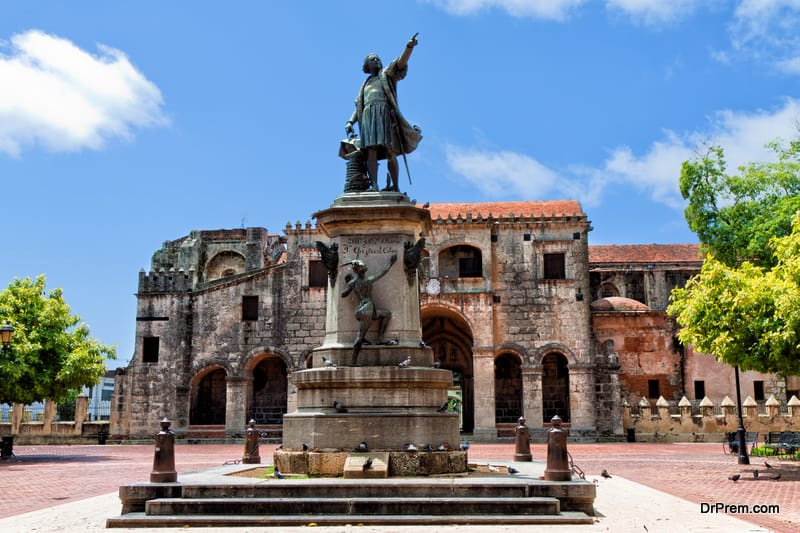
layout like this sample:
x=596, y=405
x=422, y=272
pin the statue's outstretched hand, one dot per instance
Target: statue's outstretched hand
x=413, y=41
x=348, y=129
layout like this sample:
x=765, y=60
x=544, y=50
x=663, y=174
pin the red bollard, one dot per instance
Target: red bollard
x=251, y=453
x=164, y=457
x=557, y=462
x=522, y=452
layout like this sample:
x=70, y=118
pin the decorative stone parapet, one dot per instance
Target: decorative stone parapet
x=707, y=426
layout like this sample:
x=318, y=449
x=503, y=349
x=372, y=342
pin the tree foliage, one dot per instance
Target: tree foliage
x=747, y=316
x=735, y=216
x=52, y=352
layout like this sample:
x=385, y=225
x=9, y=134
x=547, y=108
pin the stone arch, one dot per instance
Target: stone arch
x=448, y=332
x=507, y=387
x=555, y=386
x=607, y=289
x=267, y=392
x=208, y=395
x=536, y=357
x=225, y=263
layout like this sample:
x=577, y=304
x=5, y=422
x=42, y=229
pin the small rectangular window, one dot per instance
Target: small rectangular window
x=554, y=266
x=150, y=349
x=699, y=390
x=249, y=307
x=758, y=390
x=653, y=391
x=317, y=274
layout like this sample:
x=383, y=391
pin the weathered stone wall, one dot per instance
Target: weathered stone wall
x=643, y=343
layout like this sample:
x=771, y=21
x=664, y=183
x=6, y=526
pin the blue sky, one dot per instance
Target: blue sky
x=125, y=124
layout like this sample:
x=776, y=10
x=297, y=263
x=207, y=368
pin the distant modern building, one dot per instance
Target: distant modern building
x=531, y=320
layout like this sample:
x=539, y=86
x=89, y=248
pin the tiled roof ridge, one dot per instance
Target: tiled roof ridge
x=644, y=253
x=529, y=208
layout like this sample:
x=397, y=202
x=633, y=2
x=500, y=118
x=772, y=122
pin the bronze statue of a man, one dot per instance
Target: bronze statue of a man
x=366, y=310
x=385, y=134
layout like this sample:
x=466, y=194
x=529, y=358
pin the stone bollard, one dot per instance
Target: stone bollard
x=522, y=452
x=251, y=454
x=164, y=457
x=557, y=462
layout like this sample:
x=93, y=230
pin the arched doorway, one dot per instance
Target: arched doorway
x=268, y=398
x=208, y=398
x=555, y=387
x=507, y=389
x=450, y=337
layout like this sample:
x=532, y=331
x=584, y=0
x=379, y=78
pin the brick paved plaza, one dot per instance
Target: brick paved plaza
x=40, y=477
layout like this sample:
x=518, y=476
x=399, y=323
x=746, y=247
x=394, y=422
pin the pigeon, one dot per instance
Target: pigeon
x=362, y=447
x=767, y=464
x=734, y=477
x=426, y=205
x=410, y=447
x=464, y=446
x=443, y=447
x=776, y=477
x=339, y=406
x=437, y=364
x=367, y=464
x=405, y=362
x=512, y=470
x=422, y=344
x=277, y=474
x=755, y=474
x=442, y=408
x=491, y=468
x=327, y=362
x=428, y=448
x=305, y=447
x=605, y=474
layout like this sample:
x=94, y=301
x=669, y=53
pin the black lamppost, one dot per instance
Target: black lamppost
x=6, y=332
x=6, y=447
x=740, y=434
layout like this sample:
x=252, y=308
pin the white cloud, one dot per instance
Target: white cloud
x=652, y=12
x=767, y=31
x=501, y=172
x=56, y=95
x=540, y=9
x=742, y=135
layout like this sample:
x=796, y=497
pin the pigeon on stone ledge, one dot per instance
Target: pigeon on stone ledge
x=605, y=474
x=362, y=447
x=328, y=362
x=367, y=464
x=405, y=362
x=339, y=406
x=734, y=477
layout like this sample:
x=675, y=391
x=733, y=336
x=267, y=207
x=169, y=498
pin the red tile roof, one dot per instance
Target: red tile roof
x=645, y=253
x=547, y=208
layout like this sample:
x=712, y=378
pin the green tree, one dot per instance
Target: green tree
x=735, y=216
x=747, y=316
x=52, y=352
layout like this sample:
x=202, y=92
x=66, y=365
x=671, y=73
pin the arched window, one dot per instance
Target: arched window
x=461, y=261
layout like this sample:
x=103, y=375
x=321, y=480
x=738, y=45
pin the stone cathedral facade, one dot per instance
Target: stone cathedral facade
x=510, y=302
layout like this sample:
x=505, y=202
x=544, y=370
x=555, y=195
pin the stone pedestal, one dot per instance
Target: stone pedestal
x=379, y=402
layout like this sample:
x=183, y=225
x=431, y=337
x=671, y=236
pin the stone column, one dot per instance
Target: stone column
x=81, y=412
x=483, y=372
x=49, y=416
x=532, y=395
x=236, y=404
x=582, y=396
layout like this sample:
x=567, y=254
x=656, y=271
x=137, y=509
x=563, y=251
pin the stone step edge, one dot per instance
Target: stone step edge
x=136, y=520
x=542, y=505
